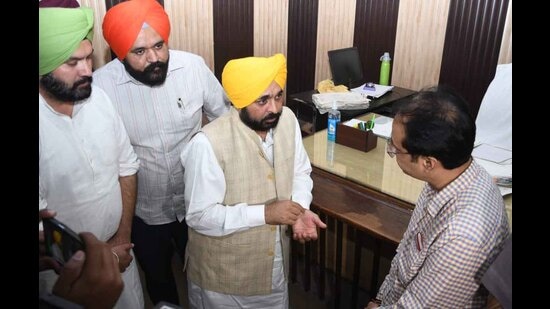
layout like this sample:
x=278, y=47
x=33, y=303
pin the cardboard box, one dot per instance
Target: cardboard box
x=355, y=138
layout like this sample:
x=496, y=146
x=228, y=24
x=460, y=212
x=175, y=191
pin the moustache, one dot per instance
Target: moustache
x=272, y=116
x=153, y=66
x=84, y=80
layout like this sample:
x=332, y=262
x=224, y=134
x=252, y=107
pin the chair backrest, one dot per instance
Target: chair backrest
x=494, y=119
x=498, y=278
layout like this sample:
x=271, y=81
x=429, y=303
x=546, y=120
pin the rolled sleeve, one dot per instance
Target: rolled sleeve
x=127, y=169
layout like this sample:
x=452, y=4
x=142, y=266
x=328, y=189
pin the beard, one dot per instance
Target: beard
x=259, y=125
x=63, y=92
x=153, y=75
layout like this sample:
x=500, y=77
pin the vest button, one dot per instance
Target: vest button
x=270, y=176
x=273, y=228
x=270, y=253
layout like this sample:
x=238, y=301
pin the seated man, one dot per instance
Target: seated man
x=459, y=225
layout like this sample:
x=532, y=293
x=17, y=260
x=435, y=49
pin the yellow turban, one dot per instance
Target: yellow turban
x=123, y=22
x=60, y=32
x=245, y=79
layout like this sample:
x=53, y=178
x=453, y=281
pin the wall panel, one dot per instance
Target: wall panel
x=419, y=43
x=458, y=42
x=192, y=27
x=374, y=34
x=102, y=52
x=472, y=45
x=334, y=30
x=270, y=27
x=505, y=55
x=233, y=31
x=302, y=44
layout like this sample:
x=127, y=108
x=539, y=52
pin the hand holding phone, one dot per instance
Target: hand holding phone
x=61, y=242
x=91, y=279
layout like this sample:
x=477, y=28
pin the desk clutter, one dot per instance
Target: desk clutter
x=327, y=85
x=498, y=163
x=357, y=134
x=372, y=90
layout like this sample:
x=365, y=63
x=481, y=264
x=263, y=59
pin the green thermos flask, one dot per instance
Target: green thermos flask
x=385, y=69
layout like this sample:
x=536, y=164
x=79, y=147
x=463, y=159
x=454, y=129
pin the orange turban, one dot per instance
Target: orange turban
x=245, y=79
x=123, y=22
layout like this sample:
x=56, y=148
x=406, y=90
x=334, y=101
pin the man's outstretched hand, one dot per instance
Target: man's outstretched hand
x=305, y=228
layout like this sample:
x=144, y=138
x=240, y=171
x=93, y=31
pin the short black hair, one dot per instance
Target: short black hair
x=438, y=123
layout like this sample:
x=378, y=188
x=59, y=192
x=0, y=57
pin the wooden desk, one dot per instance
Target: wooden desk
x=365, y=190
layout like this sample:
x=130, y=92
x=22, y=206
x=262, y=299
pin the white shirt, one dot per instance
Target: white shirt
x=205, y=189
x=80, y=161
x=160, y=121
x=207, y=215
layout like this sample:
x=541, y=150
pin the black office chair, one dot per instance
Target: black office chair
x=345, y=66
x=498, y=278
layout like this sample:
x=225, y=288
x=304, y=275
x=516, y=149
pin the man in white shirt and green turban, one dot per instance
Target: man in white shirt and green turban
x=87, y=167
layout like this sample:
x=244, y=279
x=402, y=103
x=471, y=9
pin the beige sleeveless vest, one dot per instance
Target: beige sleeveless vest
x=242, y=263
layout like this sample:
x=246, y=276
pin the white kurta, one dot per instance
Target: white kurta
x=80, y=160
x=160, y=121
x=204, y=193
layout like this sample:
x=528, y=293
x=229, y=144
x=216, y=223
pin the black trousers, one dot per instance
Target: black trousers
x=154, y=248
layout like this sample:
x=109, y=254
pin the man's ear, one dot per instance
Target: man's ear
x=429, y=163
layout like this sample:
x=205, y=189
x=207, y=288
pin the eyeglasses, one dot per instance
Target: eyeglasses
x=263, y=100
x=391, y=150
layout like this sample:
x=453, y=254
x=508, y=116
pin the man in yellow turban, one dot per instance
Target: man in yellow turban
x=161, y=95
x=87, y=166
x=247, y=179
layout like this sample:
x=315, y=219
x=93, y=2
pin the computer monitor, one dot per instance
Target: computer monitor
x=345, y=66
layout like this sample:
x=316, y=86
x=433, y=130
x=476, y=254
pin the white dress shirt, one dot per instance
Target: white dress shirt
x=160, y=121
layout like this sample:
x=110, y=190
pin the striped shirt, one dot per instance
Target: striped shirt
x=452, y=238
x=160, y=121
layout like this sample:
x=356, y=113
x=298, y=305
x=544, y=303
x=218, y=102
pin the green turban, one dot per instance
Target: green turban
x=60, y=31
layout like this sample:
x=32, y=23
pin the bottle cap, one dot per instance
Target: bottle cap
x=385, y=56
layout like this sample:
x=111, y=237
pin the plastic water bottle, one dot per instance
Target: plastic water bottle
x=330, y=153
x=333, y=120
x=385, y=69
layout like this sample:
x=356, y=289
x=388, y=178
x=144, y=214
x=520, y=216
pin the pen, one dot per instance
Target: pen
x=371, y=126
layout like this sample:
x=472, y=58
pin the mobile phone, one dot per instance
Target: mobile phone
x=61, y=242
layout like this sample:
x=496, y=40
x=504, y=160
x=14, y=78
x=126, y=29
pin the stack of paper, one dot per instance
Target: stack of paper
x=382, y=125
x=497, y=161
x=343, y=101
x=377, y=92
x=492, y=153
